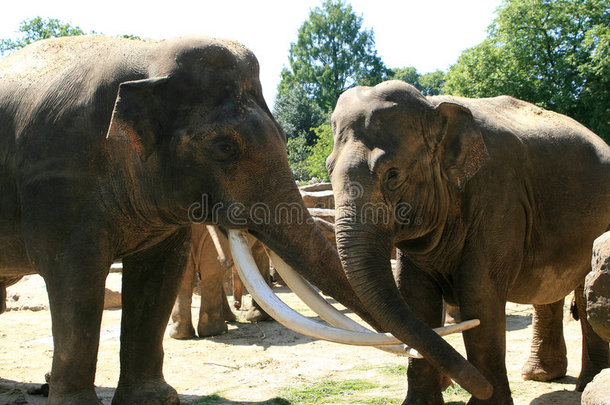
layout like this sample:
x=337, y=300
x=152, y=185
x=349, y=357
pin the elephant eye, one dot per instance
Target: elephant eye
x=393, y=179
x=224, y=150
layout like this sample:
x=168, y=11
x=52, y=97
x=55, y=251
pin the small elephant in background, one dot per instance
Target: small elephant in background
x=210, y=259
x=207, y=262
x=597, y=288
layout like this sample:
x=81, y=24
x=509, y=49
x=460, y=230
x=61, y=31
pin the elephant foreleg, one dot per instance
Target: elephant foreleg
x=547, y=359
x=74, y=259
x=150, y=283
x=76, y=301
x=424, y=297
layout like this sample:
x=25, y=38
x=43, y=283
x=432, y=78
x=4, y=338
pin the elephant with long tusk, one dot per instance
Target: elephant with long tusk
x=110, y=148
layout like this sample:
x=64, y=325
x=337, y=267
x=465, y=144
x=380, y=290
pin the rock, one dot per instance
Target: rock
x=597, y=288
x=112, y=299
x=317, y=187
x=597, y=391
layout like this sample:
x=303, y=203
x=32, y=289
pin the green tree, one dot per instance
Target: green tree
x=406, y=74
x=553, y=53
x=316, y=160
x=430, y=84
x=298, y=152
x=298, y=115
x=38, y=28
x=332, y=53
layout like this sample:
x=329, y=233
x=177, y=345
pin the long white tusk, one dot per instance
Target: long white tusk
x=319, y=305
x=356, y=335
x=275, y=307
x=330, y=314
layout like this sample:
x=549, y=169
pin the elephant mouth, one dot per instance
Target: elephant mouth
x=341, y=329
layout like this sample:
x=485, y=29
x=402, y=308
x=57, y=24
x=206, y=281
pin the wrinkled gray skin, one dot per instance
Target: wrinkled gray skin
x=108, y=148
x=487, y=201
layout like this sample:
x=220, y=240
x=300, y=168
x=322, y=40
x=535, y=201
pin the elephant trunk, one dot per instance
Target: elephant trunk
x=293, y=235
x=365, y=251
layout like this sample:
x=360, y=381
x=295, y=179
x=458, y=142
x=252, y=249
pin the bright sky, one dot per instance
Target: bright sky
x=427, y=34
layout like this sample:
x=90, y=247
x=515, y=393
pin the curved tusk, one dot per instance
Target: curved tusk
x=275, y=307
x=319, y=305
x=330, y=314
x=356, y=335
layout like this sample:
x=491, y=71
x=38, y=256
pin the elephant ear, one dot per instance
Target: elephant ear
x=136, y=118
x=458, y=142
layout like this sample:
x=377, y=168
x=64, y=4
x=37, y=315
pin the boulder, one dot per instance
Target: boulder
x=597, y=287
x=597, y=391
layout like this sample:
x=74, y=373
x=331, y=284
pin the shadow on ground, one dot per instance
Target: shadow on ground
x=517, y=322
x=557, y=397
x=217, y=400
x=16, y=393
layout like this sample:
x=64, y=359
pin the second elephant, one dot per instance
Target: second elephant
x=487, y=201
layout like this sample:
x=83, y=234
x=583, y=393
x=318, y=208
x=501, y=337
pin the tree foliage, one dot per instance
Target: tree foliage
x=36, y=29
x=430, y=84
x=316, y=161
x=332, y=53
x=553, y=53
x=298, y=151
x=298, y=115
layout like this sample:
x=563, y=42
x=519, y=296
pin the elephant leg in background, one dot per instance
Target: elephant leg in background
x=548, y=355
x=595, y=351
x=150, y=283
x=424, y=298
x=213, y=311
x=227, y=314
x=256, y=313
x=182, y=322
x=238, y=289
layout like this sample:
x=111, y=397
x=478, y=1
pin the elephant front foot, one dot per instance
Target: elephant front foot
x=505, y=400
x=230, y=316
x=257, y=315
x=86, y=397
x=181, y=330
x=212, y=328
x=430, y=398
x=153, y=392
x=544, y=369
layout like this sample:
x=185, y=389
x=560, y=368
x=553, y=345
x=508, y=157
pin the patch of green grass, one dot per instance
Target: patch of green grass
x=323, y=392
x=207, y=400
x=378, y=401
x=455, y=394
x=394, y=369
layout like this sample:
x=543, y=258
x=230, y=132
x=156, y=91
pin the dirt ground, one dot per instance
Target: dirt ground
x=253, y=363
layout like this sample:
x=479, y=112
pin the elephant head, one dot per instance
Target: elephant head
x=395, y=161
x=198, y=136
